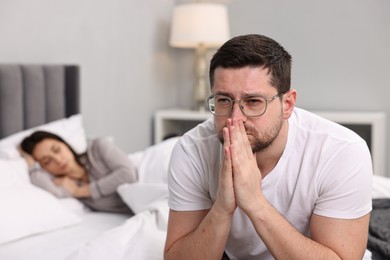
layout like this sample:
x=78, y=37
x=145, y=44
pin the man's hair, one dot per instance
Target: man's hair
x=30, y=142
x=255, y=50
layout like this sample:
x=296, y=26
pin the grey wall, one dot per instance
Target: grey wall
x=340, y=49
x=127, y=66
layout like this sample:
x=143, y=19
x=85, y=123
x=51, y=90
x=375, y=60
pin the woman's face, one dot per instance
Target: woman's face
x=54, y=156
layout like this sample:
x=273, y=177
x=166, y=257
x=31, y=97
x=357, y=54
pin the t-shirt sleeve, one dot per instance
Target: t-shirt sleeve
x=187, y=180
x=347, y=193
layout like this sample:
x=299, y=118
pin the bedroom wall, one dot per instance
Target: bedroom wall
x=127, y=69
x=340, y=51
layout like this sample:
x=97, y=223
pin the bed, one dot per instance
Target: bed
x=36, y=225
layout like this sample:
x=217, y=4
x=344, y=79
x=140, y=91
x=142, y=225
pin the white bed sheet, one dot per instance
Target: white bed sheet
x=59, y=244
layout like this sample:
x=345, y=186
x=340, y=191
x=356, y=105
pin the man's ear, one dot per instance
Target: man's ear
x=289, y=99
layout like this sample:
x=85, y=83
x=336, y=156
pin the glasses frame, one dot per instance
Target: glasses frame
x=267, y=100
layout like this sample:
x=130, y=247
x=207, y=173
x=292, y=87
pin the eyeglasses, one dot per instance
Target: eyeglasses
x=253, y=106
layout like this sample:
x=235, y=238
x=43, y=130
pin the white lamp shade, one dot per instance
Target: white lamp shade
x=199, y=24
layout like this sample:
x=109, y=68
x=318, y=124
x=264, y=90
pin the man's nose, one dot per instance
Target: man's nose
x=237, y=111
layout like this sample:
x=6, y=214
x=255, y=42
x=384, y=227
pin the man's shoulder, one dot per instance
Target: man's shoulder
x=314, y=124
x=202, y=139
x=202, y=132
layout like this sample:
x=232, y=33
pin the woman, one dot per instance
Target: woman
x=92, y=177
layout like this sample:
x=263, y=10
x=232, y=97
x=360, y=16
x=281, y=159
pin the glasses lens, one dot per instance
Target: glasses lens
x=253, y=106
x=219, y=105
x=211, y=104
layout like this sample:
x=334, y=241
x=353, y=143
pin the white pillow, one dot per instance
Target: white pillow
x=155, y=160
x=136, y=158
x=143, y=196
x=13, y=172
x=74, y=205
x=151, y=188
x=27, y=210
x=70, y=129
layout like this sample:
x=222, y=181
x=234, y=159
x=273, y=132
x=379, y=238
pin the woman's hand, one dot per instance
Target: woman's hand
x=76, y=188
x=68, y=183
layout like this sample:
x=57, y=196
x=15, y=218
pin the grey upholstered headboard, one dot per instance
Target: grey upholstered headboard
x=32, y=94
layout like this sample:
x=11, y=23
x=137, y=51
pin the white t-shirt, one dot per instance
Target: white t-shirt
x=325, y=169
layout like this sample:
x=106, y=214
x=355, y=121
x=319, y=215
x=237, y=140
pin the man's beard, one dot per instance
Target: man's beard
x=258, y=143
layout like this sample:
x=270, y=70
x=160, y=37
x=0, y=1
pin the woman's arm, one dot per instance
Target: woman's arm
x=110, y=167
x=44, y=180
x=76, y=188
x=39, y=177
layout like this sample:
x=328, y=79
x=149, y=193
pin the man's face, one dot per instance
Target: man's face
x=244, y=83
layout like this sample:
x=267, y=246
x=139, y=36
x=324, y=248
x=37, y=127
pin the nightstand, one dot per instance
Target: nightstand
x=175, y=122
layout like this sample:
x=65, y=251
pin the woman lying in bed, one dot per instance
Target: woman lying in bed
x=91, y=177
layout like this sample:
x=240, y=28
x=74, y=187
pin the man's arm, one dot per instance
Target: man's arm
x=203, y=234
x=196, y=234
x=347, y=237
x=331, y=238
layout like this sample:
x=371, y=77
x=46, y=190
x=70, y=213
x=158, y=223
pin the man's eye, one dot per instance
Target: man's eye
x=254, y=101
x=223, y=101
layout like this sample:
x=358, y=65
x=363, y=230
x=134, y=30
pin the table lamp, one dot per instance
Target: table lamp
x=200, y=26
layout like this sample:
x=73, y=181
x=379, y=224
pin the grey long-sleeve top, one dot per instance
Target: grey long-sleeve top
x=108, y=167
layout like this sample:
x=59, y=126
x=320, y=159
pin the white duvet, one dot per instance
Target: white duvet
x=140, y=237
x=143, y=235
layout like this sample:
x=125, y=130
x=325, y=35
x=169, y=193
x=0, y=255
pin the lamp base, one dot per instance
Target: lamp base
x=201, y=88
x=201, y=107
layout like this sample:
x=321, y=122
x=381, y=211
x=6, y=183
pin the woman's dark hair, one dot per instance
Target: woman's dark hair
x=255, y=50
x=30, y=142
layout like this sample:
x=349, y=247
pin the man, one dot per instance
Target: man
x=263, y=179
